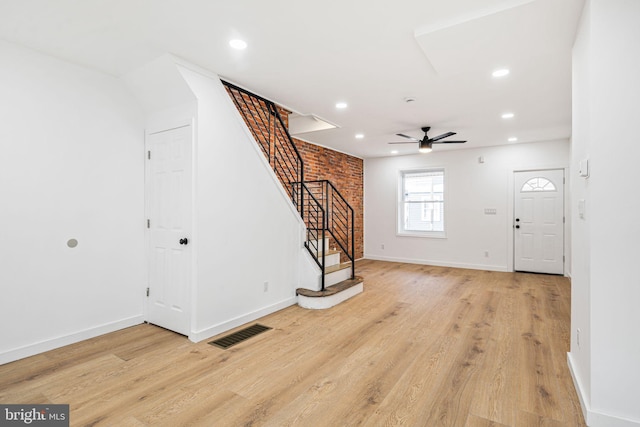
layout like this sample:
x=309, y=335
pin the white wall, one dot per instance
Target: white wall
x=605, y=130
x=580, y=240
x=71, y=167
x=247, y=230
x=470, y=187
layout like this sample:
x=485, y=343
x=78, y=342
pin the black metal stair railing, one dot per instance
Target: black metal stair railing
x=339, y=217
x=314, y=216
x=324, y=211
x=265, y=123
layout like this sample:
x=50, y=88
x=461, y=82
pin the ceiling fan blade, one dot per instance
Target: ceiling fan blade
x=444, y=135
x=403, y=142
x=449, y=142
x=408, y=137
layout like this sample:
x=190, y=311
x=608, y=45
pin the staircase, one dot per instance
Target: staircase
x=328, y=217
x=340, y=283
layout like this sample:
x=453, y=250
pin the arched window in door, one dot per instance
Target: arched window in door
x=537, y=184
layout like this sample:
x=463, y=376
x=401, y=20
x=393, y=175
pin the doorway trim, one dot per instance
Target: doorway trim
x=511, y=210
x=157, y=127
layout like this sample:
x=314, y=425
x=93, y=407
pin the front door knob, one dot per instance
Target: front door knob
x=184, y=241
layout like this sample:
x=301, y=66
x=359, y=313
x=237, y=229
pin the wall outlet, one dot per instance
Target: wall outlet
x=486, y=254
x=382, y=246
x=266, y=286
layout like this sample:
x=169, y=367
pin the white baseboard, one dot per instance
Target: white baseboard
x=53, y=343
x=577, y=383
x=440, y=263
x=594, y=418
x=211, y=331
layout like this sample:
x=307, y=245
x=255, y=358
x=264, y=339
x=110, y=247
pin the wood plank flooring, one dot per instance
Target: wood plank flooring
x=422, y=346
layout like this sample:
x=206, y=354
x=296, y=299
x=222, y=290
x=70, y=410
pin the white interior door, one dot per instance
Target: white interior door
x=168, y=189
x=539, y=221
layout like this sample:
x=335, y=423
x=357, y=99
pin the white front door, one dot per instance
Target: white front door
x=539, y=221
x=168, y=194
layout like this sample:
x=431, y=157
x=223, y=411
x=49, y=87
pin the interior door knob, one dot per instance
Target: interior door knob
x=184, y=241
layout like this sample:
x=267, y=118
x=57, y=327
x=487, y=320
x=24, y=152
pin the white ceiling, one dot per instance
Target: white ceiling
x=371, y=54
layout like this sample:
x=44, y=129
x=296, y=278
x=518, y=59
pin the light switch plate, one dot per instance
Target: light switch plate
x=583, y=168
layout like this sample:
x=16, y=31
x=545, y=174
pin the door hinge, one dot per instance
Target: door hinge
x=147, y=291
x=562, y=258
x=149, y=154
x=148, y=223
x=564, y=220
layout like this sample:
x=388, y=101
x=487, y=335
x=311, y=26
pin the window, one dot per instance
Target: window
x=537, y=184
x=421, y=203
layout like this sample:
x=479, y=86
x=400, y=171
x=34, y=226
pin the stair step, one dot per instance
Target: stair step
x=337, y=267
x=331, y=296
x=318, y=243
x=330, y=290
x=336, y=273
x=329, y=252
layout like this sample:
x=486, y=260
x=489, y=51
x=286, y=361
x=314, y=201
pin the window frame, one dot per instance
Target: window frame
x=400, y=204
x=538, y=188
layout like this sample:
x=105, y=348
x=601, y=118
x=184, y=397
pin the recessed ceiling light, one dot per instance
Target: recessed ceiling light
x=512, y=139
x=359, y=135
x=508, y=115
x=238, y=44
x=501, y=72
x=341, y=105
x=394, y=151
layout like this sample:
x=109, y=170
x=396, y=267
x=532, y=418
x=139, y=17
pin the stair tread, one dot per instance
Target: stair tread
x=337, y=267
x=329, y=252
x=330, y=290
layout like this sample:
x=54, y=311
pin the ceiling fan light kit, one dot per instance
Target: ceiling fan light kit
x=425, y=147
x=425, y=144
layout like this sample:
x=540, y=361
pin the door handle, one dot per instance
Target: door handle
x=184, y=241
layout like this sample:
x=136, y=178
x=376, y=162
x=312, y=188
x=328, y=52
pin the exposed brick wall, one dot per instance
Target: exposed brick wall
x=345, y=172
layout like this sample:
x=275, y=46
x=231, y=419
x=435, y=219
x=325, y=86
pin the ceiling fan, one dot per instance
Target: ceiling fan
x=426, y=142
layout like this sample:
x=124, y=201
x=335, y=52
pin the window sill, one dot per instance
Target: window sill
x=424, y=234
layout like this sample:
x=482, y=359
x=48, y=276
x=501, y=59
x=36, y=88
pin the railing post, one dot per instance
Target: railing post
x=325, y=189
x=270, y=136
x=302, y=194
x=324, y=252
x=353, y=246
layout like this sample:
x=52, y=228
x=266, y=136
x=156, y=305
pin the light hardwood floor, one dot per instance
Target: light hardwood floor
x=422, y=346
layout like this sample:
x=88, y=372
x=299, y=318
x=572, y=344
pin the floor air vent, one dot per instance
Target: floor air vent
x=238, y=337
